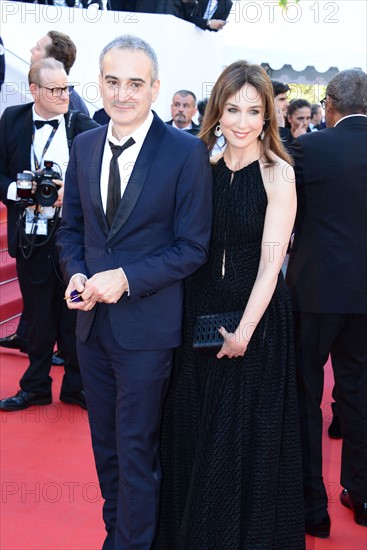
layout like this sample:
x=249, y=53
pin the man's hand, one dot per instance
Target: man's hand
x=60, y=193
x=280, y=117
x=106, y=286
x=77, y=283
x=216, y=24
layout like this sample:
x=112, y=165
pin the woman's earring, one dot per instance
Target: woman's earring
x=262, y=135
x=218, y=131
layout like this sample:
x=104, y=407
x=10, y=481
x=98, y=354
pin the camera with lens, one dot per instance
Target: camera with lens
x=46, y=192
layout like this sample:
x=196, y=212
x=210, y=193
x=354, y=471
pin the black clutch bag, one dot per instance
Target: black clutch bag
x=206, y=334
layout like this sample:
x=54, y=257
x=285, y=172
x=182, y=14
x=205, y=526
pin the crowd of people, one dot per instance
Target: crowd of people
x=180, y=224
x=208, y=15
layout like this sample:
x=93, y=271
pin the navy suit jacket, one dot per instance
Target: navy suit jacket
x=160, y=234
x=327, y=270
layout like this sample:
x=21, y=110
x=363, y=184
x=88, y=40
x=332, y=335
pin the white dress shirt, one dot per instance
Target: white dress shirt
x=210, y=9
x=126, y=160
x=189, y=127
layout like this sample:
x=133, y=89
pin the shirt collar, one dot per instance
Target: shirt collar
x=348, y=116
x=38, y=117
x=138, y=135
x=189, y=127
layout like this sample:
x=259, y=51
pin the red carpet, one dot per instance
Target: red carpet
x=49, y=492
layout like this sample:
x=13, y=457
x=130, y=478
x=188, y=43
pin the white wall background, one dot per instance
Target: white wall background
x=322, y=33
x=188, y=57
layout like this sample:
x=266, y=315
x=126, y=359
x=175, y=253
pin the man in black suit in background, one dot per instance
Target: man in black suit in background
x=327, y=278
x=31, y=134
x=60, y=46
x=208, y=15
x=183, y=108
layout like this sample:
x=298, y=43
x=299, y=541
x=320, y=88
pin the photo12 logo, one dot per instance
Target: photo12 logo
x=51, y=492
x=291, y=12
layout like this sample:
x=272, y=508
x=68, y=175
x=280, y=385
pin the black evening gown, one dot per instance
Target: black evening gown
x=230, y=437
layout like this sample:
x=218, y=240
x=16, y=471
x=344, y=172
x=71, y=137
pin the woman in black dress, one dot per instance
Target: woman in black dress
x=230, y=441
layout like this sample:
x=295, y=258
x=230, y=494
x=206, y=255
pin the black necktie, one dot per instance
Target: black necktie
x=39, y=123
x=114, y=182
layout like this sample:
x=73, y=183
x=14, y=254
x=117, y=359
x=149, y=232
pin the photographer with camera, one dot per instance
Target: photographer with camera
x=34, y=152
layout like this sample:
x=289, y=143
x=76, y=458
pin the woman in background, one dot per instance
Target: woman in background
x=230, y=443
x=299, y=116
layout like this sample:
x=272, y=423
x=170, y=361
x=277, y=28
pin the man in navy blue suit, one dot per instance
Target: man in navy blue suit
x=128, y=261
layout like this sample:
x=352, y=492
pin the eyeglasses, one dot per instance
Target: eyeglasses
x=57, y=92
x=323, y=101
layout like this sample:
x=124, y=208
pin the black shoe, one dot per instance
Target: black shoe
x=77, y=398
x=320, y=530
x=359, y=508
x=24, y=399
x=57, y=360
x=14, y=342
x=334, y=429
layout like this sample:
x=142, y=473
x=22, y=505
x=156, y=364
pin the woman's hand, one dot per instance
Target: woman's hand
x=302, y=129
x=233, y=346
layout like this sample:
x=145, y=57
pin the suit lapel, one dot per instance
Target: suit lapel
x=25, y=137
x=96, y=155
x=139, y=174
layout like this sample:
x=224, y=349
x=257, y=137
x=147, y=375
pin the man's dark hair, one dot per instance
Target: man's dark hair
x=348, y=92
x=279, y=87
x=315, y=109
x=62, y=48
x=202, y=106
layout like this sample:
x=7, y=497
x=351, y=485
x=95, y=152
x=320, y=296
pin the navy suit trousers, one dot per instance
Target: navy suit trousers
x=343, y=337
x=125, y=390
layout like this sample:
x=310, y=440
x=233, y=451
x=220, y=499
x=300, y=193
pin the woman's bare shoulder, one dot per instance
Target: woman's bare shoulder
x=279, y=172
x=277, y=162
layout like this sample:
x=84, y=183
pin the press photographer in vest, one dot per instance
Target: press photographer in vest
x=35, y=139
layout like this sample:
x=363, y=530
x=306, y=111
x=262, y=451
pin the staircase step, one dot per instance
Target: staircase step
x=8, y=269
x=3, y=235
x=3, y=213
x=10, y=300
x=9, y=327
